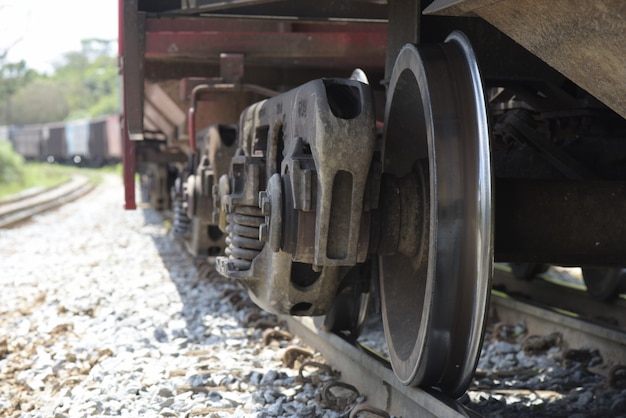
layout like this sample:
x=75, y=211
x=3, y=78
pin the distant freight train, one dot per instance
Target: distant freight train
x=93, y=142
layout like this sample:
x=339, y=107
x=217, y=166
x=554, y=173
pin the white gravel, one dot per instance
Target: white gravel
x=103, y=315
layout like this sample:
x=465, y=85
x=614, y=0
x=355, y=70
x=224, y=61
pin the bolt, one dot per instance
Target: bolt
x=264, y=232
x=264, y=203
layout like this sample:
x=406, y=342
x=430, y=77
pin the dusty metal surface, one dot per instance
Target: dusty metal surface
x=309, y=153
x=584, y=40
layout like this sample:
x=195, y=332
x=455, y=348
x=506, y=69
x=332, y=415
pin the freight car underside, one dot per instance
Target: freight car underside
x=410, y=176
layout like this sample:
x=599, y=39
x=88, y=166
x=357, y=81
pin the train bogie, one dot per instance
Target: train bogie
x=482, y=139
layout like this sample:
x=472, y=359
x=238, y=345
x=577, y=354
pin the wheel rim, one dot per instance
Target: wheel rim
x=434, y=301
x=603, y=283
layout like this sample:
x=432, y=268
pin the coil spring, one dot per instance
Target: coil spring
x=181, y=226
x=243, y=236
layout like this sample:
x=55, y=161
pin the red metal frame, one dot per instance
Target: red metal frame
x=184, y=41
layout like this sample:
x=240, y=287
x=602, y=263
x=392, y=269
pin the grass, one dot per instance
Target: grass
x=51, y=175
x=17, y=176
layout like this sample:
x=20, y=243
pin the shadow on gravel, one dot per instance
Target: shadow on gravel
x=202, y=290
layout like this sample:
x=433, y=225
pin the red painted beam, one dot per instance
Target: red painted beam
x=292, y=48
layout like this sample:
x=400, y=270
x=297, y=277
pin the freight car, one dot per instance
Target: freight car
x=371, y=154
x=55, y=148
x=29, y=142
x=86, y=142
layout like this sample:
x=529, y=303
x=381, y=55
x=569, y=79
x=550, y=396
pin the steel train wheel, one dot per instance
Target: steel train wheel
x=434, y=301
x=603, y=283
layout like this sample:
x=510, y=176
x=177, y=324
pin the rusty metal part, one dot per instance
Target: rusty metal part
x=338, y=395
x=132, y=62
x=304, y=162
x=294, y=353
x=617, y=377
x=434, y=306
x=275, y=334
x=368, y=409
x=231, y=70
x=303, y=46
x=319, y=366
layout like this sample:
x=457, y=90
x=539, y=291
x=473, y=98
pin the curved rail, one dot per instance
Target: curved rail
x=18, y=208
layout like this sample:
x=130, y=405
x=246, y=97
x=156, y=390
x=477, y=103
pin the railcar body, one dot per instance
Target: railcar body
x=29, y=142
x=397, y=147
x=6, y=133
x=89, y=142
x=105, y=144
x=77, y=140
x=56, y=145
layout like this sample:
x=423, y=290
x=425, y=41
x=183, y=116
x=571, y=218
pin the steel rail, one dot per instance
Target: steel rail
x=374, y=378
x=548, y=291
x=576, y=331
x=23, y=206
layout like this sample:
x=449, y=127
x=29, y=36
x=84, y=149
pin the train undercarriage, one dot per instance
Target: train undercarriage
x=322, y=153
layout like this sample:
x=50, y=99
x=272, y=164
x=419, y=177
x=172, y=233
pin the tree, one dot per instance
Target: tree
x=13, y=76
x=89, y=78
x=84, y=84
x=41, y=101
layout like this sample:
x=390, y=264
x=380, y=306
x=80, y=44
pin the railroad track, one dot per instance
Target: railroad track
x=548, y=306
x=550, y=289
x=376, y=379
x=18, y=208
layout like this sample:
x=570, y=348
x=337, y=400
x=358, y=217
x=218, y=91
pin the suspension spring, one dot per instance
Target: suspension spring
x=243, y=236
x=181, y=226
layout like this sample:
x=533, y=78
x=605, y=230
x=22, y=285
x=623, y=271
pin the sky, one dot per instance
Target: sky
x=41, y=31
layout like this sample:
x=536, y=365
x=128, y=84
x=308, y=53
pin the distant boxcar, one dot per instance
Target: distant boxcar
x=28, y=142
x=114, y=139
x=5, y=133
x=105, y=145
x=55, y=145
x=77, y=140
x=98, y=141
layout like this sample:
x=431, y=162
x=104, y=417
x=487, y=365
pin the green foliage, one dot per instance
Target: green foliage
x=11, y=164
x=39, y=102
x=36, y=175
x=83, y=85
x=13, y=77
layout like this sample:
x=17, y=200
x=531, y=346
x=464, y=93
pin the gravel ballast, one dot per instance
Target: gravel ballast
x=103, y=314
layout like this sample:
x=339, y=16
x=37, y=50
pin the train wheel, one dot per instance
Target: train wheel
x=434, y=298
x=349, y=310
x=603, y=283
